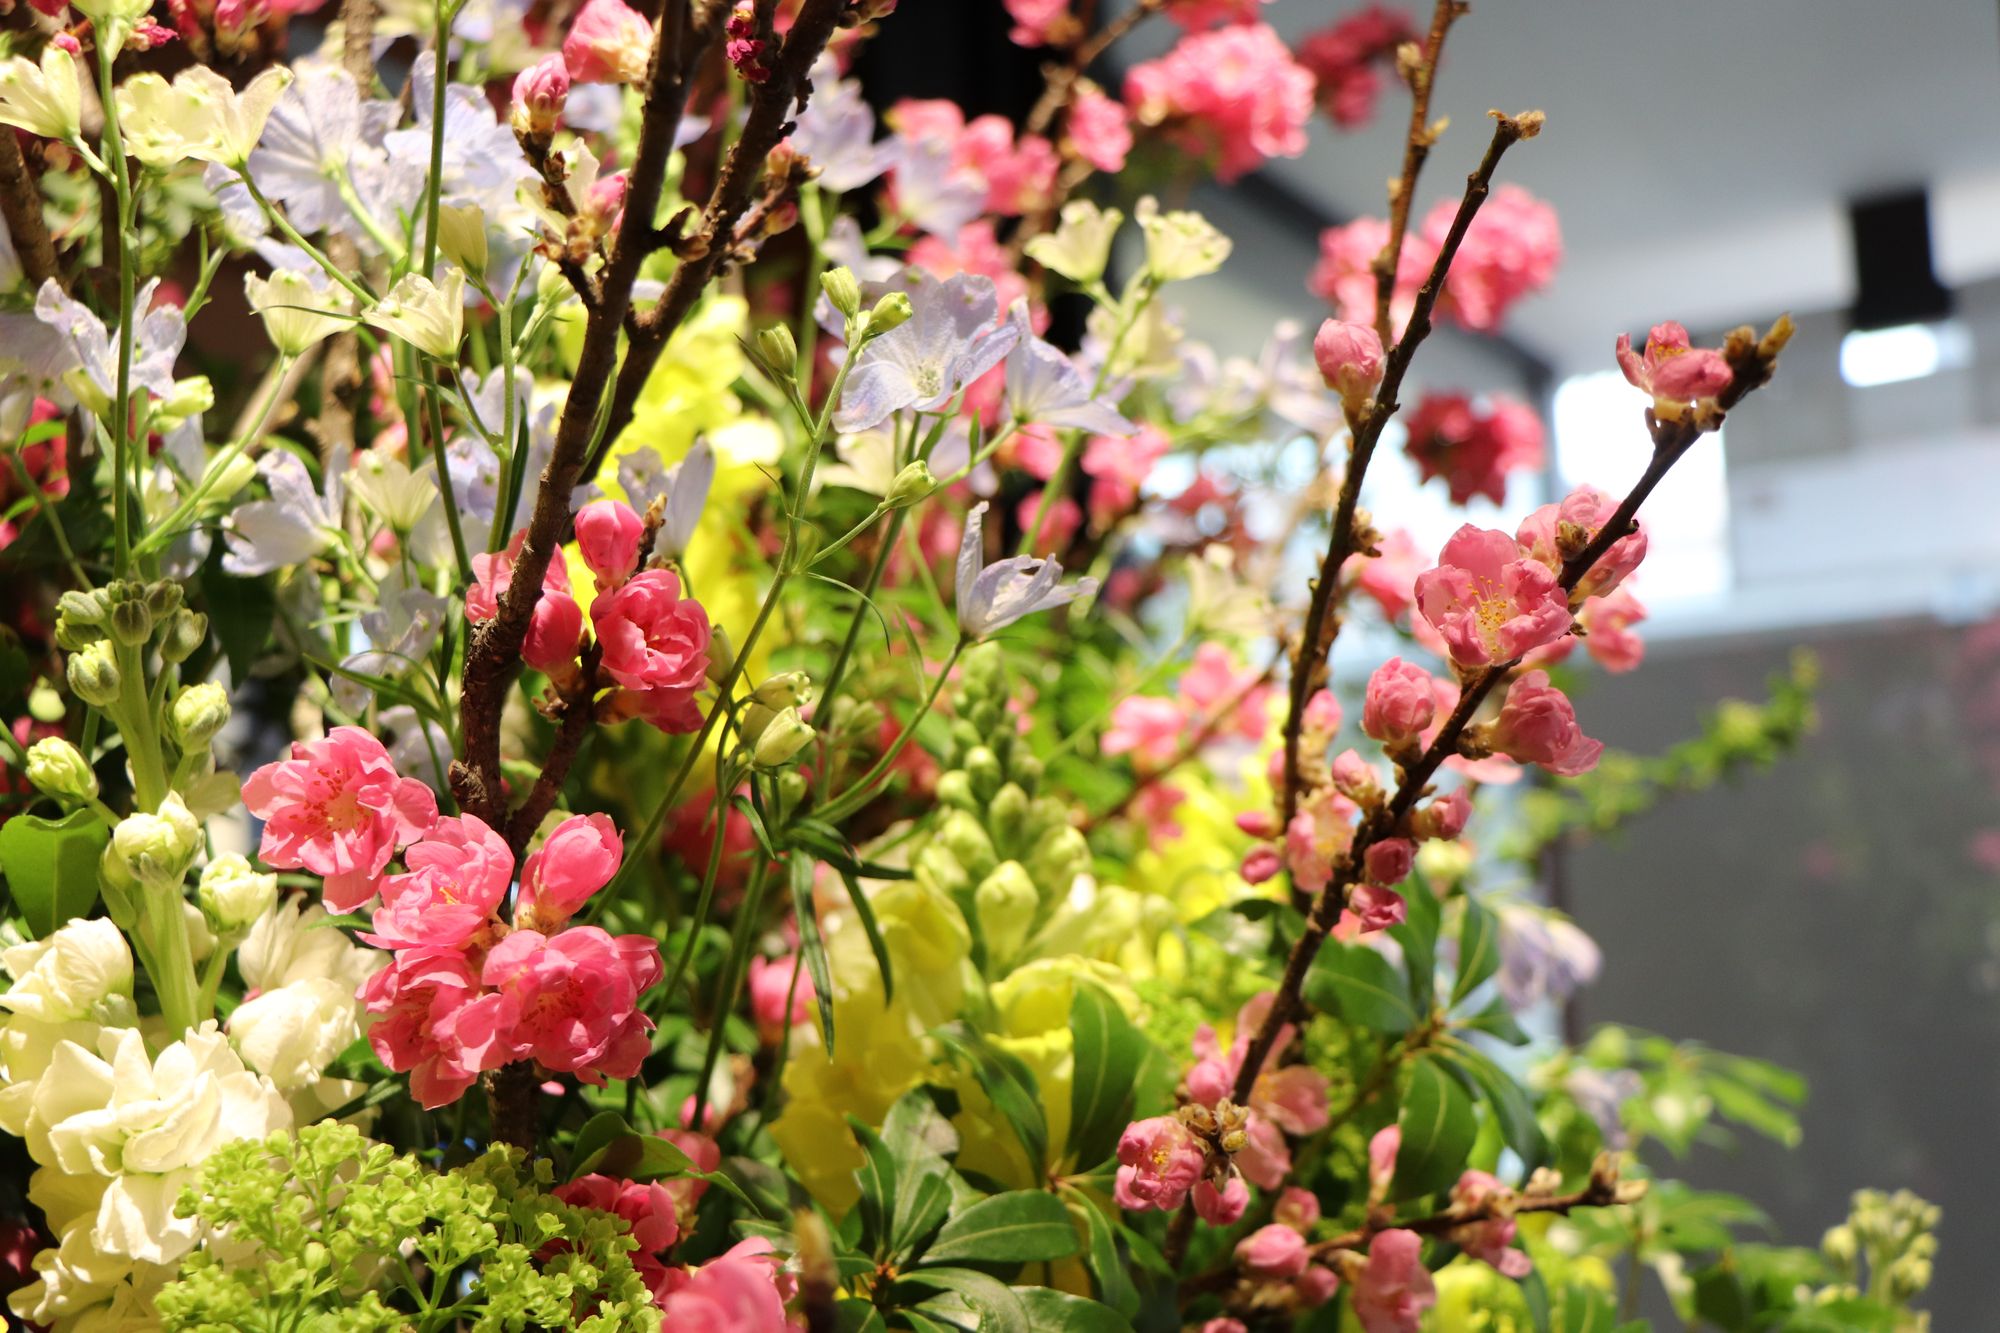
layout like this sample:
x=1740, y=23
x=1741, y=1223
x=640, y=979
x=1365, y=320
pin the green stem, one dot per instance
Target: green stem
x=851, y=800
x=433, y=401
x=313, y=252
x=439, y=72
x=1146, y=682
x=824, y=708
x=53, y=519
x=121, y=403
x=166, y=530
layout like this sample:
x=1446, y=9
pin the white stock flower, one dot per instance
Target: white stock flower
x=234, y=894
x=69, y=975
x=289, y=944
x=292, y=1033
x=148, y=1124
x=429, y=316
x=44, y=99
x=398, y=496
x=294, y=309
x=198, y=116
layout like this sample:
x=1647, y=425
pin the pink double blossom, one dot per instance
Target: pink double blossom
x=427, y=1024
x=1474, y=448
x=1444, y=817
x=1036, y=22
x=1509, y=252
x=1019, y=174
x=1537, y=725
x=1394, y=1289
x=1389, y=578
x=607, y=537
x=1146, y=727
x=578, y=858
x=648, y=1211
x=1390, y=861
x=1320, y=833
x=1234, y=94
x=608, y=42
x=1343, y=58
x=1607, y=623
x=1550, y=531
x=1489, y=600
x=1201, y=15
x=1214, y=680
x=1672, y=370
x=570, y=1001
x=1492, y=1238
x=1159, y=1161
x=540, y=93
x=1377, y=907
x=1273, y=1251
x=457, y=875
x=338, y=809
x=557, y=622
x=1399, y=703
x=1099, y=129
x=1284, y=1099
x=655, y=643
x=1222, y=1207
x=737, y=1292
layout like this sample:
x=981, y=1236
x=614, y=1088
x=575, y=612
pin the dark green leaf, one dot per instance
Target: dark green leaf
x=1022, y=1226
x=857, y=1316
x=1418, y=936
x=51, y=867
x=922, y=1197
x=1108, y=1050
x=240, y=614
x=1362, y=987
x=606, y=1145
x=1052, y=1311
x=1438, y=1128
x=1587, y=1310
x=1114, y=1284
x=877, y=1178
x=1006, y=1083
x=996, y=1307
x=1478, y=948
x=1512, y=1110
x=812, y=945
x=1497, y=1020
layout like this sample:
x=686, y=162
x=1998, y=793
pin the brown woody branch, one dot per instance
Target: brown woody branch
x=21, y=206
x=1416, y=148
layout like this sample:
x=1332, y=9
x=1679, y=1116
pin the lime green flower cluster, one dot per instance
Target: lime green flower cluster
x=314, y=1227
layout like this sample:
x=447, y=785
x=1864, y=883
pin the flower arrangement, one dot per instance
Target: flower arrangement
x=669, y=754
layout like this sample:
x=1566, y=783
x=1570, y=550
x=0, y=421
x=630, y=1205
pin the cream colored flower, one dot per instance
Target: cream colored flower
x=296, y=314
x=429, y=316
x=288, y=944
x=398, y=496
x=198, y=116
x=234, y=894
x=462, y=236
x=1179, y=245
x=1080, y=247
x=43, y=98
x=292, y=1034
x=69, y=975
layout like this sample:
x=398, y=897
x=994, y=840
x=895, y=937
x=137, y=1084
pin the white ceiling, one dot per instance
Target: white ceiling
x=1700, y=152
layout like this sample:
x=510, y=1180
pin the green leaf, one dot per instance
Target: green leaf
x=1363, y=987
x=616, y=1149
x=811, y=943
x=1438, y=1129
x=1587, y=1310
x=1497, y=1020
x=1114, y=1284
x=877, y=1178
x=1418, y=936
x=51, y=867
x=1478, y=948
x=995, y=1307
x=1108, y=1051
x=922, y=1198
x=865, y=912
x=857, y=1316
x=1006, y=1083
x=1512, y=1110
x=240, y=614
x=1052, y=1311
x=1021, y=1226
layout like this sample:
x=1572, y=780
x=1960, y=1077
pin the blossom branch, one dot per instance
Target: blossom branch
x=1322, y=622
x=1192, y=746
x=21, y=208
x=1422, y=77
x=1751, y=363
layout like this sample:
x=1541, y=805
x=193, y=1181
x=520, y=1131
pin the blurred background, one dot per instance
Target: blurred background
x=1720, y=163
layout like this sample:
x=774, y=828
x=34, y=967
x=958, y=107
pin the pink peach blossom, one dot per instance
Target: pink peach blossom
x=571, y=1001
x=1489, y=601
x=578, y=858
x=1315, y=1286
x=1118, y=467
x=1350, y=360
x=1474, y=448
x=1584, y=511
x=1490, y=1240
x=608, y=42
x=1343, y=57
x=1213, y=679
x=1671, y=369
x=1200, y=15
x=737, y=1292
x=655, y=643
x=1510, y=251
x=557, y=622
x=1444, y=817
x=1399, y=702
x=1377, y=907
x=338, y=808
x=428, y=1025
x=540, y=93
x=607, y=536
x=1607, y=622
x=773, y=1001
x=1224, y=1324
x=1260, y=865
x=1355, y=778
x=1275, y=1251
x=1099, y=130
x=1394, y=1288
x=1537, y=725
x=1390, y=860
x=1382, y=1150
x=1322, y=715
x=1147, y=728
x=1234, y=94
x=1344, y=275
x=1389, y=578
x=1158, y=1163
x=1297, y=1208
x=1220, y=1207
x=1035, y=21
x=458, y=873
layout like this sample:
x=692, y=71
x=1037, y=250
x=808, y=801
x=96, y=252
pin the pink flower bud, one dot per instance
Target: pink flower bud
x=610, y=42
x=1224, y=1324
x=1537, y=725
x=577, y=860
x=1257, y=823
x=1221, y=1208
x=1272, y=1251
x=1389, y=860
x=606, y=200
x=1353, y=778
x=1316, y=1286
x=1260, y=865
x=1673, y=371
x=1382, y=1150
x=1297, y=1209
x=1377, y=908
x=1322, y=713
x=1444, y=817
x=1350, y=359
x=607, y=536
x=1400, y=702
x=540, y=91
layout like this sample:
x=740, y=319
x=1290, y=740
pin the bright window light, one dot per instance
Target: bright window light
x=1869, y=357
x=1601, y=438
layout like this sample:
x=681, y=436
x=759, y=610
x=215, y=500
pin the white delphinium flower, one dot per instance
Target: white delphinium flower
x=994, y=597
x=200, y=116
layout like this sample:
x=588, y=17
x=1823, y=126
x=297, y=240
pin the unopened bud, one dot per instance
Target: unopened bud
x=721, y=656
x=198, y=713
x=59, y=769
x=891, y=312
x=462, y=237
x=540, y=91
x=1350, y=360
x=912, y=484
x=783, y=737
x=779, y=349
x=80, y=618
x=784, y=690
x=156, y=849
x=843, y=292
x=163, y=598
x=130, y=623
x=186, y=631
x=233, y=894
x=93, y=675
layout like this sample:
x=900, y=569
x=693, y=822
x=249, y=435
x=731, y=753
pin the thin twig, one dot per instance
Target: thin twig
x=1416, y=148
x=21, y=206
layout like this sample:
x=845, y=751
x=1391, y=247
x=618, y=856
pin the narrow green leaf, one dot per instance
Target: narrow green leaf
x=1363, y=987
x=1478, y=948
x=1107, y=1270
x=995, y=1307
x=1006, y=1083
x=51, y=867
x=1438, y=1128
x=1052, y=1311
x=865, y=912
x=1497, y=1020
x=877, y=1178
x=1021, y=1226
x=1108, y=1050
x=1512, y=1110
x=811, y=943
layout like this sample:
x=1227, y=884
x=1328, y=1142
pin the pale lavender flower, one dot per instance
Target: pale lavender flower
x=156, y=343
x=291, y=527
x=952, y=338
x=845, y=247
x=482, y=162
x=1542, y=956
x=1602, y=1094
x=321, y=132
x=837, y=131
x=1003, y=592
x=1044, y=385
x=930, y=192
x=646, y=478
x=400, y=628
